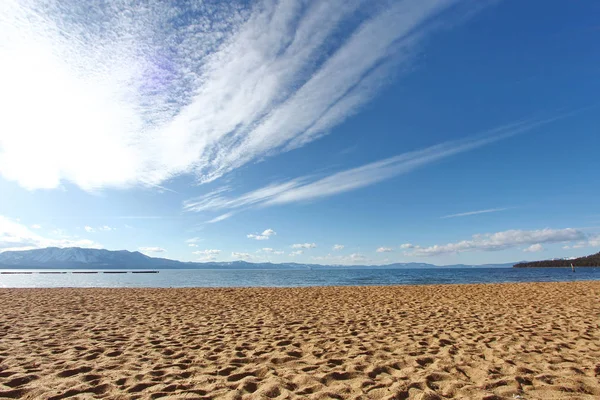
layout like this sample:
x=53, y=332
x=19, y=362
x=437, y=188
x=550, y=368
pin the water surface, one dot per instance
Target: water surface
x=293, y=278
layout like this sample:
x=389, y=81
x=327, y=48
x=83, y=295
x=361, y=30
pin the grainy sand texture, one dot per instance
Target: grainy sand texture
x=507, y=341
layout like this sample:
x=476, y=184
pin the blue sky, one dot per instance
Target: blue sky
x=347, y=132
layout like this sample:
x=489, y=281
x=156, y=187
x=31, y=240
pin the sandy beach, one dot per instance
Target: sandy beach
x=506, y=341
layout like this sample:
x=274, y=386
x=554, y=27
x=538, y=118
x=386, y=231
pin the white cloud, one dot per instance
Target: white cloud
x=407, y=246
x=151, y=249
x=591, y=241
x=296, y=253
x=192, y=245
x=269, y=232
x=104, y=228
x=193, y=240
x=16, y=236
x=534, y=248
x=466, y=214
x=241, y=256
x=119, y=96
x=352, y=259
x=384, y=250
x=263, y=236
x=501, y=241
x=357, y=257
x=36, y=226
x=337, y=247
x=329, y=258
x=209, y=252
x=271, y=251
x=304, y=246
x=257, y=237
x=207, y=258
x=310, y=188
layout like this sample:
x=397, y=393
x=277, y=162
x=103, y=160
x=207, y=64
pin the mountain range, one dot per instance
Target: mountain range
x=76, y=257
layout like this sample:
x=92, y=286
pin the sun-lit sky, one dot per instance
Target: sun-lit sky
x=337, y=132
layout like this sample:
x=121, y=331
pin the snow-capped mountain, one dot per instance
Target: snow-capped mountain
x=72, y=254
x=54, y=257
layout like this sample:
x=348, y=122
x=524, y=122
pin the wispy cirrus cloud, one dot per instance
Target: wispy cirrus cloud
x=221, y=217
x=500, y=241
x=120, y=93
x=307, y=188
x=141, y=217
x=469, y=213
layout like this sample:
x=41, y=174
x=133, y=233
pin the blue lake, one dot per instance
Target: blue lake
x=294, y=278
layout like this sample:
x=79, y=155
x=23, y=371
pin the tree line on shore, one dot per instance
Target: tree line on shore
x=587, y=261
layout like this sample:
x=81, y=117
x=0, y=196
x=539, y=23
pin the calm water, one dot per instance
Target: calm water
x=290, y=278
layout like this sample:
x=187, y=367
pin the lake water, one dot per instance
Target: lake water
x=293, y=278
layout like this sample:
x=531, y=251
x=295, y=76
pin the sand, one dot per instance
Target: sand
x=527, y=341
